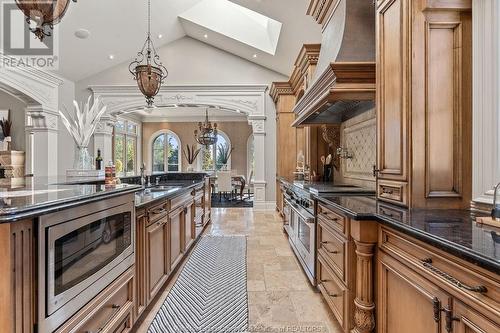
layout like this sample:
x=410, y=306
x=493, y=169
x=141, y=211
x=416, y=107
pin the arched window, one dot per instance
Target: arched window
x=210, y=156
x=166, y=152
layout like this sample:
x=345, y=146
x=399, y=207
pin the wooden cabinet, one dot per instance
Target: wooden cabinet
x=207, y=202
x=393, y=93
x=336, y=264
x=141, y=267
x=112, y=311
x=424, y=97
x=422, y=289
x=189, y=227
x=157, y=256
x=175, y=227
x=469, y=320
x=406, y=300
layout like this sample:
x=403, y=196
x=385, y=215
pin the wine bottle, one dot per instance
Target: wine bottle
x=98, y=160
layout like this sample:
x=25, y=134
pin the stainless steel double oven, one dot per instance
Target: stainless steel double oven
x=301, y=229
x=81, y=251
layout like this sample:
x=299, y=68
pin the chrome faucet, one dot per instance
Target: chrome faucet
x=143, y=179
x=495, y=212
x=344, y=153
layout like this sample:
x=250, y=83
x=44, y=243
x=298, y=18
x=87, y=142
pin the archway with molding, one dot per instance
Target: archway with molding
x=249, y=100
x=39, y=90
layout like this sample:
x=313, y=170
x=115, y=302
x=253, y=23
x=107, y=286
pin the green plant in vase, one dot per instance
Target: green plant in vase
x=224, y=152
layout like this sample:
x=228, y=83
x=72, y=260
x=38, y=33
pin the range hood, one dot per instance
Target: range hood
x=344, y=83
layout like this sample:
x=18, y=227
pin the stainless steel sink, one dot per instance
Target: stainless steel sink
x=163, y=188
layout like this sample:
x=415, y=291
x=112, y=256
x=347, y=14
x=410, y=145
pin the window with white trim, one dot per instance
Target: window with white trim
x=210, y=157
x=125, y=135
x=166, y=152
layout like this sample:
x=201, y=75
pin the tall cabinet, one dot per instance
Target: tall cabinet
x=424, y=103
x=294, y=140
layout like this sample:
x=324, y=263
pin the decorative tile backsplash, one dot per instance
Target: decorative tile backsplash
x=359, y=136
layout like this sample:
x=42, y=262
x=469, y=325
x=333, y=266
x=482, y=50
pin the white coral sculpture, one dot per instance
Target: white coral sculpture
x=83, y=123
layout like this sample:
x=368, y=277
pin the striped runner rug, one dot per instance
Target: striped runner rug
x=210, y=294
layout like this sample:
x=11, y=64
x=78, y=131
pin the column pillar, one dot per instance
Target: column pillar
x=103, y=138
x=486, y=102
x=41, y=141
x=259, y=134
x=364, y=234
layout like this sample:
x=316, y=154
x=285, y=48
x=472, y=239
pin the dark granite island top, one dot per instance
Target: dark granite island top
x=166, y=190
x=454, y=231
x=22, y=198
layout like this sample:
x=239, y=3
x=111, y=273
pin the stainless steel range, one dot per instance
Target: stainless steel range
x=82, y=250
x=300, y=218
x=301, y=228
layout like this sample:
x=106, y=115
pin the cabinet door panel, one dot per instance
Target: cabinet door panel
x=406, y=299
x=176, y=244
x=157, y=267
x=470, y=321
x=392, y=90
x=189, y=232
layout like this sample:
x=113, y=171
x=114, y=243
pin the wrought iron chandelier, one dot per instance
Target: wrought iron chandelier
x=147, y=68
x=206, y=134
x=45, y=13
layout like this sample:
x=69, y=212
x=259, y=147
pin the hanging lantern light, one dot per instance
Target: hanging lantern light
x=206, y=134
x=45, y=13
x=147, y=68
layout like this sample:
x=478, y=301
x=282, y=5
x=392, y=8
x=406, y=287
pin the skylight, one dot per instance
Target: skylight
x=235, y=22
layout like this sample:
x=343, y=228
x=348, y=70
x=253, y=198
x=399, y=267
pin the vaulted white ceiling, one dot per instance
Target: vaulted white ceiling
x=118, y=28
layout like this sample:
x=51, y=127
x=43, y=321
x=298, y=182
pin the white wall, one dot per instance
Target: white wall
x=17, y=115
x=65, y=143
x=191, y=62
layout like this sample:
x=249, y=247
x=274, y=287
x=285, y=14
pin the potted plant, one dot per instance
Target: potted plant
x=223, y=154
x=6, y=125
x=190, y=153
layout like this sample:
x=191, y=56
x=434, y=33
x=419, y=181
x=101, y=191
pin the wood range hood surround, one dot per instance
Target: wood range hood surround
x=344, y=82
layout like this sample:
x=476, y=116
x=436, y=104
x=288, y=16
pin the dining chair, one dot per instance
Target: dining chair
x=224, y=183
x=249, y=184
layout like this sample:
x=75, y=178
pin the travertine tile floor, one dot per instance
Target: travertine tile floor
x=280, y=297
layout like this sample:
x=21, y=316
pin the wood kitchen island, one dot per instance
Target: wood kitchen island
x=87, y=257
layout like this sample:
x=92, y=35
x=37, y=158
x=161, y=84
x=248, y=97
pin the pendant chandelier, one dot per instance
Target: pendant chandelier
x=147, y=68
x=45, y=13
x=206, y=134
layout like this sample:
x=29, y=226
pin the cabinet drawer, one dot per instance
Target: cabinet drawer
x=333, y=248
x=157, y=212
x=335, y=293
x=181, y=200
x=110, y=312
x=393, y=191
x=333, y=219
x=398, y=214
x=447, y=271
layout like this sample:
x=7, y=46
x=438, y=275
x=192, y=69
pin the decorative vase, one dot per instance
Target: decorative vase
x=190, y=167
x=8, y=140
x=83, y=161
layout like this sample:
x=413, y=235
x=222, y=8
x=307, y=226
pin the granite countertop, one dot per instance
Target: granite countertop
x=172, y=189
x=28, y=197
x=320, y=187
x=452, y=230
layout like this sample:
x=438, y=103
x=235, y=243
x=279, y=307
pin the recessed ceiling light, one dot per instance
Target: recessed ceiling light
x=82, y=33
x=205, y=35
x=160, y=36
x=111, y=56
x=255, y=55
